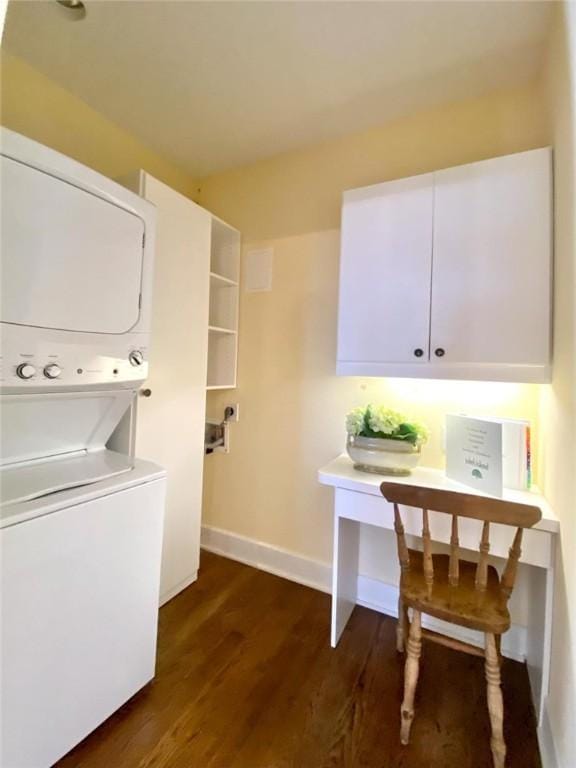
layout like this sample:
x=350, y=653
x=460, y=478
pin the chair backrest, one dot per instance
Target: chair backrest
x=456, y=504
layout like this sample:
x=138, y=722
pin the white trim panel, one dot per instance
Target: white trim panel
x=170, y=593
x=536, y=374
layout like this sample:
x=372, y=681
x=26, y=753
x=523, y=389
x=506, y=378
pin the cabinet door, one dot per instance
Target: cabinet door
x=491, y=276
x=170, y=424
x=385, y=275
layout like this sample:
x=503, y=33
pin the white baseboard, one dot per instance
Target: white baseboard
x=170, y=593
x=258, y=554
x=548, y=752
x=372, y=593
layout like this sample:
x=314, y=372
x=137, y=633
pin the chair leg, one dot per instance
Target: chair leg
x=410, y=676
x=403, y=626
x=495, y=704
x=499, y=648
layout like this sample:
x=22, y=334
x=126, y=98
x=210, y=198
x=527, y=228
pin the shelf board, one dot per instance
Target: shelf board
x=217, y=329
x=221, y=386
x=219, y=280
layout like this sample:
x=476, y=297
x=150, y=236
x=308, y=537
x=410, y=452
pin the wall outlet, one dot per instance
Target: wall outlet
x=232, y=412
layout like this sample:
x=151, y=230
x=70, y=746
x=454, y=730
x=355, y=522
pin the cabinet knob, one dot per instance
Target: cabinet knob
x=145, y=392
x=418, y=352
x=439, y=352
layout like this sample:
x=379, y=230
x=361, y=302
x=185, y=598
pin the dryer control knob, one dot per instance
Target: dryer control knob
x=136, y=357
x=25, y=371
x=52, y=371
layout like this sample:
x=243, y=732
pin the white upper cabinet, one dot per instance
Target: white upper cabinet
x=457, y=264
x=491, y=264
x=385, y=273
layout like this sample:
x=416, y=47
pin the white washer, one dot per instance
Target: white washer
x=80, y=580
x=80, y=525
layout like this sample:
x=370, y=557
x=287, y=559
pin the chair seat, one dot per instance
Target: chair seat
x=464, y=605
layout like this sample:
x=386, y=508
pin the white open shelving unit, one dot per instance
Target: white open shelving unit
x=224, y=299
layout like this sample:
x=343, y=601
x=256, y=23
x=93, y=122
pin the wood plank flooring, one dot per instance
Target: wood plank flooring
x=246, y=678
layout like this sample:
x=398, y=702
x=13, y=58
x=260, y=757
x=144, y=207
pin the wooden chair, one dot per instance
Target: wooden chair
x=468, y=594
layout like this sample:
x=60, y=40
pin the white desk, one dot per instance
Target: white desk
x=358, y=500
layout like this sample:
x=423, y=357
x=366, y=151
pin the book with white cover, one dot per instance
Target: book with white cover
x=474, y=453
x=515, y=451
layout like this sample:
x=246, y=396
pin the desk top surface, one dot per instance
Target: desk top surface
x=340, y=473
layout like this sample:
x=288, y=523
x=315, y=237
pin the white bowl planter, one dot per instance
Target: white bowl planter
x=384, y=457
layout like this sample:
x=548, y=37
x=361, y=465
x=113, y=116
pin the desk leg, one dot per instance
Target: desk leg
x=539, y=637
x=344, y=574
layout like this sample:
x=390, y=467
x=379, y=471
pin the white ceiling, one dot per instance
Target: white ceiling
x=214, y=85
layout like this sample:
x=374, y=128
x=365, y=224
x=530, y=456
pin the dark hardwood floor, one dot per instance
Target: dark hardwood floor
x=247, y=679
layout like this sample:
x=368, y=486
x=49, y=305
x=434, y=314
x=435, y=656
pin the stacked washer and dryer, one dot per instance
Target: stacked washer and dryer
x=81, y=525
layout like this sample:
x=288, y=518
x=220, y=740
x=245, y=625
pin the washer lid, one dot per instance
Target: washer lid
x=41, y=426
x=43, y=478
x=141, y=472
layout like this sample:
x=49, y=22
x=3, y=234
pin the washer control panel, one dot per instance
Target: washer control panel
x=103, y=363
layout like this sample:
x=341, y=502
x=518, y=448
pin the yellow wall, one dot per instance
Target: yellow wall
x=300, y=192
x=36, y=107
x=292, y=404
x=558, y=413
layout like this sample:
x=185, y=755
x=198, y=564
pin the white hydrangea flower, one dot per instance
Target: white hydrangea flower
x=384, y=420
x=422, y=432
x=355, y=421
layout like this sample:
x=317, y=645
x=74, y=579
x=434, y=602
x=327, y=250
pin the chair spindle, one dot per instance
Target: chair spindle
x=403, y=555
x=482, y=568
x=454, y=567
x=509, y=575
x=427, y=560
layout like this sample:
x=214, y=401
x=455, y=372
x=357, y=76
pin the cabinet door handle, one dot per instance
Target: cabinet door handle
x=418, y=352
x=145, y=392
x=439, y=352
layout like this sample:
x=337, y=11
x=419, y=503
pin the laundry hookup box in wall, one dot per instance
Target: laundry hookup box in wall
x=488, y=454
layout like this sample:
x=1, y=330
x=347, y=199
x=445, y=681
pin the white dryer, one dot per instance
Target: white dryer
x=80, y=524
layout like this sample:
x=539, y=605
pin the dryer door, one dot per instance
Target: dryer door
x=70, y=259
